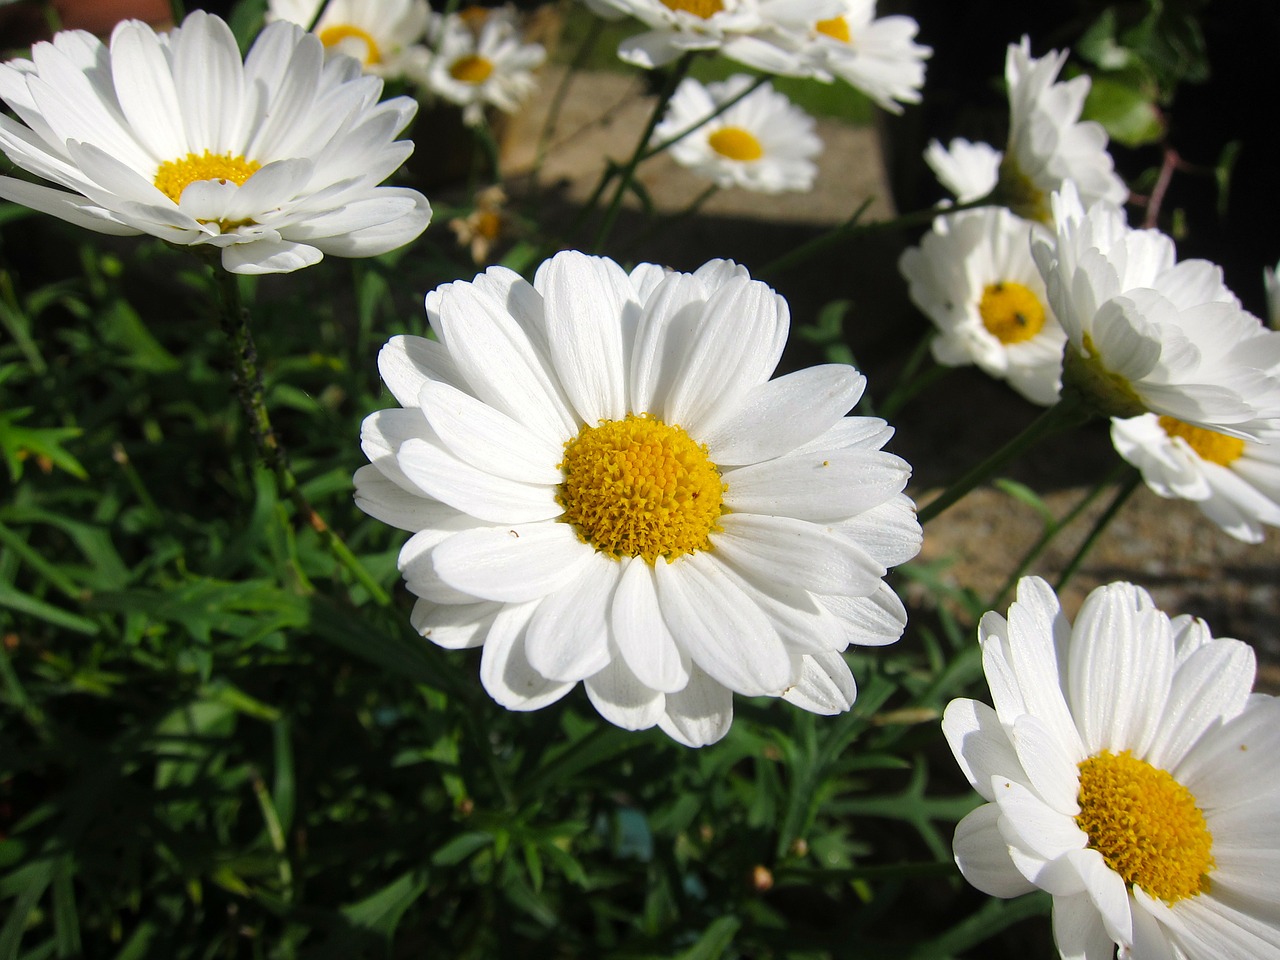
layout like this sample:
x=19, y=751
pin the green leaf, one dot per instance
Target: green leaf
x=1125, y=108
x=18, y=444
x=715, y=940
x=461, y=847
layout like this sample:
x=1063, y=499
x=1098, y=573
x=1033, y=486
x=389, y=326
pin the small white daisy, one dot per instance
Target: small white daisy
x=969, y=170
x=974, y=277
x=759, y=33
x=275, y=160
x=1234, y=482
x=1128, y=772
x=763, y=142
x=604, y=486
x=384, y=35
x=1147, y=334
x=877, y=56
x=489, y=67
x=1048, y=145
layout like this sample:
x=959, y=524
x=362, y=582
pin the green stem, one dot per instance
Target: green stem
x=248, y=383
x=1051, y=531
x=720, y=108
x=1066, y=413
x=677, y=74
x=1123, y=493
x=853, y=227
x=320, y=9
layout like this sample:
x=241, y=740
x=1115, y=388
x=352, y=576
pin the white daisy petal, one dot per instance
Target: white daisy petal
x=699, y=714
x=1078, y=930
x=983, y=856
x=525, y=562
x=504, y=665
x=813, y=487
x=568, y=637
x=723, y=632
x=586, y=347
x=825, y=685
x=642, y=636
x=455, y=626
x=796, y=553
x=472, y=489
x=979, y=744
x=622, y=699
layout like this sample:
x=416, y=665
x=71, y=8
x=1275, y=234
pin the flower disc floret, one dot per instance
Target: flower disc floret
x=174, y=176
x=837, y=28
x=706, y=9
x=641, y=488
x=1011, y=312
x=471, y=69
x=736, y=144
x=1208, y=444
x=1145, y=824
x=333, y=37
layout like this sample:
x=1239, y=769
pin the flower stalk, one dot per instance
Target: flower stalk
x=1066, y=413
x=247, y=378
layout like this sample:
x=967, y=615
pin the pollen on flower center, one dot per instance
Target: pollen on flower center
x=837, y=28
x=1146, y=825
x=471, y=68
x=706, y=9
x=1010, y=312
x=174, y=176
x=638, y=487
x=1208, y=444
x=736, y=144
x=337, y=36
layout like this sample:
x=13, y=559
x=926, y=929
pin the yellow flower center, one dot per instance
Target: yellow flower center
x=1208, y=444
x=339, y=35
x=1016, y=191
x=472, y=68
x=1010, y=312
x=1146, y=825
x=1084, y=376
x=706, y=9
x=174, y=176
x=736, y=144
x=640, y=488
x=837, y=28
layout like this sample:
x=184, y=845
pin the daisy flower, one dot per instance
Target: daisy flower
x=604, y=486
x=877, y=56
x=764, y=34
x=1147, y=334
x=1234, y=482
x=1048, y=145
x=1129, y=773
x=275, y=161
x=488, y=67
x=763, y=142
x=384, y=35
x=974, y=277
x=969, y=170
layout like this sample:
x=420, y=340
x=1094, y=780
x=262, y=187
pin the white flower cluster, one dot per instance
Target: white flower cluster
x=824, y=39
x=474, y=58
x=1056, y=285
